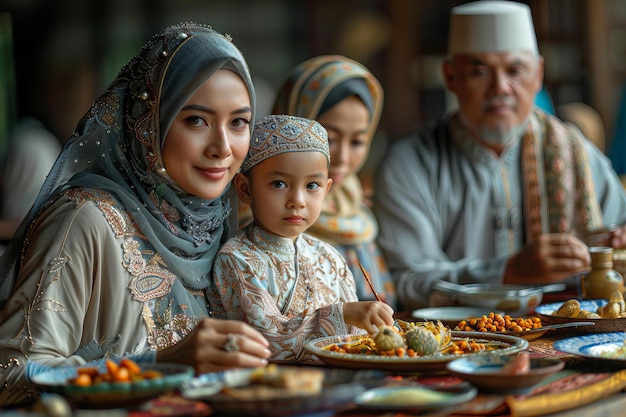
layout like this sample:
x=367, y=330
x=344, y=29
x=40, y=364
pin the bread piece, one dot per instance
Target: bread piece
x=295, y=380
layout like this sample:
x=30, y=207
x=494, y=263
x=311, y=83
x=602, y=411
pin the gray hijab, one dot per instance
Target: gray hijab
x=116, y=147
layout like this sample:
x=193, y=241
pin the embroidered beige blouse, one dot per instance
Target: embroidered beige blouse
x=104, y=292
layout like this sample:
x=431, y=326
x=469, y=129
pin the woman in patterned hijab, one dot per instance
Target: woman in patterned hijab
x=347, y=100
x=116, y=253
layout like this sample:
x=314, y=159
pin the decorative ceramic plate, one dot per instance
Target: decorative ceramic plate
x=340, y=387
x=503, y=344
x=484, y=372
x=545, y=311
x=116, y=394
x=595, y=346
x=415, y=397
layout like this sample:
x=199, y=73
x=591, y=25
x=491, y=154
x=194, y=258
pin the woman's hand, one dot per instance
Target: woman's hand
x=204, y=347
x=368, y=315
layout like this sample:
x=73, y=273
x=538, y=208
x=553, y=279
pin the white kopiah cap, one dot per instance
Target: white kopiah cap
x=491, y=26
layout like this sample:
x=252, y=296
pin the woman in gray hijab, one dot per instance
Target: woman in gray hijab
x=116, y=253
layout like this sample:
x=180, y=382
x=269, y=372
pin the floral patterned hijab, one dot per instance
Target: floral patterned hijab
x=116, y=147
x=312, y=88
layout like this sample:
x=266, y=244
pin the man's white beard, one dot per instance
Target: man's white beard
x=502, y=135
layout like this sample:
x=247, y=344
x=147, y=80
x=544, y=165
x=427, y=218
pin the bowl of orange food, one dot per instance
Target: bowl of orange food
x=112, y=384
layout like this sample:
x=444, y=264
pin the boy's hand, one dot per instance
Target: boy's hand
x=368, y=315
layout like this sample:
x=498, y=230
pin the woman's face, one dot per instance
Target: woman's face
x=347, y=123
x=209, y=139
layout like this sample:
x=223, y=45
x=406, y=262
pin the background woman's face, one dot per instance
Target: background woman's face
x=347, y=123
x=209, y=139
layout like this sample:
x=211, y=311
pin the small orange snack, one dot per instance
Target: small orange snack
x=130, y=365
x=126, y=371
x=122, y=375
x=82, y=380
x=112, y=367
x=495, y=322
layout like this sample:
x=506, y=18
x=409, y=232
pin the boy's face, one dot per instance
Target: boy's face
x=286, y=191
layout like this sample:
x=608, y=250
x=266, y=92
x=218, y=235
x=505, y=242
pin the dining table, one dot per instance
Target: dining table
x=583, y=387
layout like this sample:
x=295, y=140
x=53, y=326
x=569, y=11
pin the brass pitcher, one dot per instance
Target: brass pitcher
x=602, y=280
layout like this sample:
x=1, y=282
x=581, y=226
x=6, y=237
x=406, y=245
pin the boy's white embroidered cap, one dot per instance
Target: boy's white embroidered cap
x=276, y=134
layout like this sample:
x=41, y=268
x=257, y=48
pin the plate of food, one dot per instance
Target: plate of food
x=426, y=349
x=504, y=373
x=450, y=315
x=610, y=347
x=415, y=398
x=280, y=390
x=592, y=311
x=529, y=328
x=112, y=384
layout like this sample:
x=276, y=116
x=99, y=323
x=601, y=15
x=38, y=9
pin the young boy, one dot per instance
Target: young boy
x=289, y=285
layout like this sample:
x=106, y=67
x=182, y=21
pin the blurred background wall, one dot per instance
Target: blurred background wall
x=65, y=52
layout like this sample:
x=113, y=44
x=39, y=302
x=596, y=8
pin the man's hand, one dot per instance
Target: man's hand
x=550, y=258
x=618, y=238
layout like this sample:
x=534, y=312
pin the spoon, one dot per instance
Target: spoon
x=532, y=334
x=562, y=325
x=405, y=325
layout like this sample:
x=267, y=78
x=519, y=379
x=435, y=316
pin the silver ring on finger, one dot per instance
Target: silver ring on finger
x=231, y=344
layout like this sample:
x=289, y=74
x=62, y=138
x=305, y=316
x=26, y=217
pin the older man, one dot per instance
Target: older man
x=496, y=191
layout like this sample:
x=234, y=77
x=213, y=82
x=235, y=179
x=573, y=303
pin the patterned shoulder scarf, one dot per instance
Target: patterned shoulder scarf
x=555, y=164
